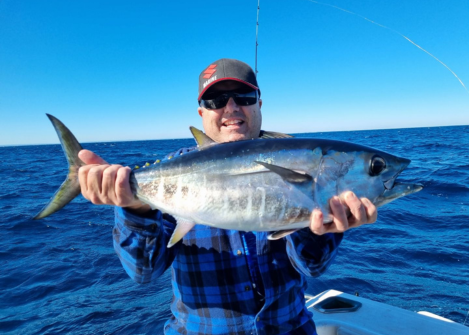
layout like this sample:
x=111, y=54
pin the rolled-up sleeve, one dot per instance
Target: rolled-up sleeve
x=312, y=254
x=140, y=242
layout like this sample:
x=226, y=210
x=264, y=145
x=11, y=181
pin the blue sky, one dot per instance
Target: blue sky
x=122, y=70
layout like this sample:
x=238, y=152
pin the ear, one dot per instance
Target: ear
x=201, y=112
x=260, y=102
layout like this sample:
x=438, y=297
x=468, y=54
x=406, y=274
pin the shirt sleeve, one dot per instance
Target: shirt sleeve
x=140, y=242
x=312, y=254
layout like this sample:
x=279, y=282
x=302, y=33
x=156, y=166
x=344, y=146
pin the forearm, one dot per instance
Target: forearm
x=312, y=254
x=139, y=210
x=140, y=242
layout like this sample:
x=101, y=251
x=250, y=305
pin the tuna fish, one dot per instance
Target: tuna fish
x=256, y=185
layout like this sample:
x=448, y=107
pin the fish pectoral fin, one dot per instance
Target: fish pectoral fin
x=276, y=235
x=273, y=134
x=287, y=174
x=203, y=141
x=182, y=228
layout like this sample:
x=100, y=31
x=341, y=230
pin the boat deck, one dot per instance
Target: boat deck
x=338, y=313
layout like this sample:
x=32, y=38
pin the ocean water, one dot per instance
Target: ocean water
x=60, y=275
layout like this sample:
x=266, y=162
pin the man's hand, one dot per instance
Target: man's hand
x=105, y=184
x=362, y=211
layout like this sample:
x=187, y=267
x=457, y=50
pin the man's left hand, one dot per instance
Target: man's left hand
x=362, y=211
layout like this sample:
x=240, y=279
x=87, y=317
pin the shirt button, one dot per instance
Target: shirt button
x=247, y=288
x=239, y=252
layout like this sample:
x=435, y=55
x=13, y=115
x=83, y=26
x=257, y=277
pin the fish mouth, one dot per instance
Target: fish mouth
x=389, y=184
x=397, y=191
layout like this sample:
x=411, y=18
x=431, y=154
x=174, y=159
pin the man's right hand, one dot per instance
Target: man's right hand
x=105, y=184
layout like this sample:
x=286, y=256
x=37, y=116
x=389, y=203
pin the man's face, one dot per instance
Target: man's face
x=232, y=122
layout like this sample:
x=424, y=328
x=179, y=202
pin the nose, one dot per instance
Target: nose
x=231, y=105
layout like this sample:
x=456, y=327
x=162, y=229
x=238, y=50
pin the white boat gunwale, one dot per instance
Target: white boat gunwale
x=373, y=318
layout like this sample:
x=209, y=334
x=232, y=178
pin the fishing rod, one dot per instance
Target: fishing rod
x=257, y=31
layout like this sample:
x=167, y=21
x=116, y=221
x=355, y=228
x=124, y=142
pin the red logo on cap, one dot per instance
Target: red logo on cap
x=210, y=71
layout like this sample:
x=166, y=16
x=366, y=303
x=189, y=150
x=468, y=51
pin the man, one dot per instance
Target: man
x=224, y=281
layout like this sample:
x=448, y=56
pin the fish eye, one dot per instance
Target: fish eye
x=377, y=165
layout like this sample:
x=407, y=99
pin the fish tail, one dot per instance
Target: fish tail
x=70, y=188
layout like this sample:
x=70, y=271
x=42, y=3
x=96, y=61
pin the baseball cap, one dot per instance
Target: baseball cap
x=226, y=69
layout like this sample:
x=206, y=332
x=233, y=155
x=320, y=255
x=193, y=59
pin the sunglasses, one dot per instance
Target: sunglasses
x=220, y=101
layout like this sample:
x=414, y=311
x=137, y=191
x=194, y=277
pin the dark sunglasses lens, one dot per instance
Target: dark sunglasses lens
x=246, y=99
x=242, y=99
x=215, y=103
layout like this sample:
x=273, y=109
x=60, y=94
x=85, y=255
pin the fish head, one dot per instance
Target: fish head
x=367, y=172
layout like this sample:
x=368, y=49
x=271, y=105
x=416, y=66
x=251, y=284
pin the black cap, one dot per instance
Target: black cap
x=226, y=69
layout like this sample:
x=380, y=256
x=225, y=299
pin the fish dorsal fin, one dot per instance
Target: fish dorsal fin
x=273, y=134
x=276, y=235
x=182, y=228
x=203, y=141
x=287, y=174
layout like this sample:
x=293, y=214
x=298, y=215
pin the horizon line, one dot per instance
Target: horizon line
x=186, y=138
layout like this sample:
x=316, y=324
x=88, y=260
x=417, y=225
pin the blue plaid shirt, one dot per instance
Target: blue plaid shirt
x=214, y=274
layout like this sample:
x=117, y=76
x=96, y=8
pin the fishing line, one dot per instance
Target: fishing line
x=394, y=31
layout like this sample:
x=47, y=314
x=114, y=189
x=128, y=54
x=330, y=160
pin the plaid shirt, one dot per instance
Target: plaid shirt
x=212, y=275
